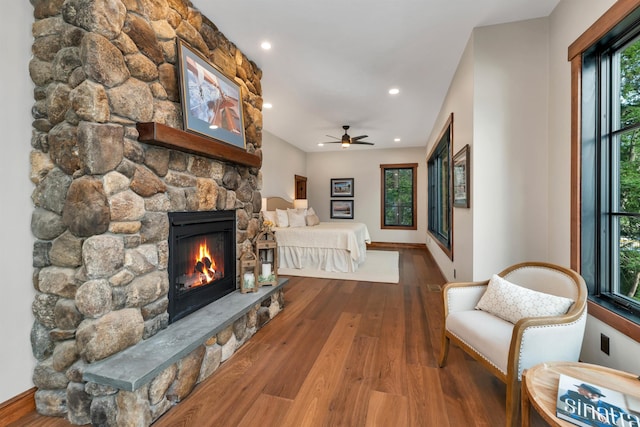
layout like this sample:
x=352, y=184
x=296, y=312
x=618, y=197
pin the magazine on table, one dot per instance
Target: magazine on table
x=590, y=405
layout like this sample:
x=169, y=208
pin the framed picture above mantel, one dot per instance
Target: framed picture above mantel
x=211, y=101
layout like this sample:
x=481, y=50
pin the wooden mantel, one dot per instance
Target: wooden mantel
x=177, y=139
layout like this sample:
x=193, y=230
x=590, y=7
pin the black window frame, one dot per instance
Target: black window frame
x=439, y=200
x=598, y=162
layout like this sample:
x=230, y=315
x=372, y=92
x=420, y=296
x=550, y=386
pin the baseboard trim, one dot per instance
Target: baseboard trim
x=374, y=245
x=17, y=407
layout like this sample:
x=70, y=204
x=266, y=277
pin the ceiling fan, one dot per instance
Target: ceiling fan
x=347, y=140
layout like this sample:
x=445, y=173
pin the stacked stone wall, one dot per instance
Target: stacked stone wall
x=101, y=197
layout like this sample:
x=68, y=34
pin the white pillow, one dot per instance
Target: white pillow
x=296, y=218
x=282, y=218
x=270, y=216
x=512, y=302
x=310, y=211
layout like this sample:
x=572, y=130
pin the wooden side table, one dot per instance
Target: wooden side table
x=540, y=386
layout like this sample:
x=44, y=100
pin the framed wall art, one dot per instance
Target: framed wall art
x=211, y=101
x=461, y=178
x=341, y=187
x=342, y=209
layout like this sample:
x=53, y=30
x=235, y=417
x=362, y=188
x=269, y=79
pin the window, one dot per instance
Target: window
x=439, y=178
x=399, y=196
x=610, y=169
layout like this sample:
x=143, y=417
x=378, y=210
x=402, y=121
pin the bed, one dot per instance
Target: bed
x=331, y=246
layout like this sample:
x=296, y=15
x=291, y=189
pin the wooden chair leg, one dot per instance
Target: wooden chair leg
x=513, y=402
x=525, y=403
x=444, y=350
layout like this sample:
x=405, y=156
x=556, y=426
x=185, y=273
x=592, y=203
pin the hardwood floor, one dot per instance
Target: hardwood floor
x=346, y=353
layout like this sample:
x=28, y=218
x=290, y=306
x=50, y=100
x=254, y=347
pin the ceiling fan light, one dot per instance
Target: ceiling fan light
x=345, y=145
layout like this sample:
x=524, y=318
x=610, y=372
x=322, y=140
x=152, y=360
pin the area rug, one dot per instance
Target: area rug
x=380, y=266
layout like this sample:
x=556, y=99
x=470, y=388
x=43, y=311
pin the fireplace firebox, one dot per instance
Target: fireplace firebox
x=202, y=259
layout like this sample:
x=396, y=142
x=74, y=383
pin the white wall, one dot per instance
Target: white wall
x=459, y=101
x=281, y=161
x=364, y=166
x=624, y=352
x=16, y=359
x=510, y=139
x=499, y=100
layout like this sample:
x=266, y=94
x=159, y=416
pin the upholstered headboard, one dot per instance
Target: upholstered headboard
x=274, y=203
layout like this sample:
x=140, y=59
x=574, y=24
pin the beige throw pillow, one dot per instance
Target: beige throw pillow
x=312, y=220
x=512, y=302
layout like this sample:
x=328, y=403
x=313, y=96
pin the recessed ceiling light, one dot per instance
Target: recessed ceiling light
x=320, y=144
x=267, y=105
x=213, y=127
x=396, y=139
x=394, y=91
x=265, y=45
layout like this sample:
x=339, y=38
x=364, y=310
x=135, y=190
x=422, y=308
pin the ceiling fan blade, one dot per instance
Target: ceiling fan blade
x=347, y=140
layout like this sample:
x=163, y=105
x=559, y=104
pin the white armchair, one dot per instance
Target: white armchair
x=507, y=347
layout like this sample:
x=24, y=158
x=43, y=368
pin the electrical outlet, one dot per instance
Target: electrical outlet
x=604, y=344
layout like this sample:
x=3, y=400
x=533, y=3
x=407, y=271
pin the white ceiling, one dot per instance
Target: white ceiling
x=332, y=62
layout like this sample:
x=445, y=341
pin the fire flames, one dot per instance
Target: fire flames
x=205, y=264
x=203, y=270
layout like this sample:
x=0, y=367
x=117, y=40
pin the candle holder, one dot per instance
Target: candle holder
x=248, y=272
x=267, y=258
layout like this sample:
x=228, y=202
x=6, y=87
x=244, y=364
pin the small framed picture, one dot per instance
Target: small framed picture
x=342, y=187
x=461, y=178
x=342, y=209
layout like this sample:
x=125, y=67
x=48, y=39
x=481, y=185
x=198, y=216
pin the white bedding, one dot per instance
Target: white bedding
x=330, y=246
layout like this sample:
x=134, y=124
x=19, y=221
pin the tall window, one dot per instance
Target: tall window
x=399, y=196
x=439, y=200
x=610, y=217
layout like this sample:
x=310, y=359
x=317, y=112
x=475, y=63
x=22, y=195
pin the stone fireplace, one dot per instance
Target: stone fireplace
x=105, y=197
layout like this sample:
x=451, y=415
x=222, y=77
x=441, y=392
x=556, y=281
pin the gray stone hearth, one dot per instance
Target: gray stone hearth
x=159, y=372
x=138, y=365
